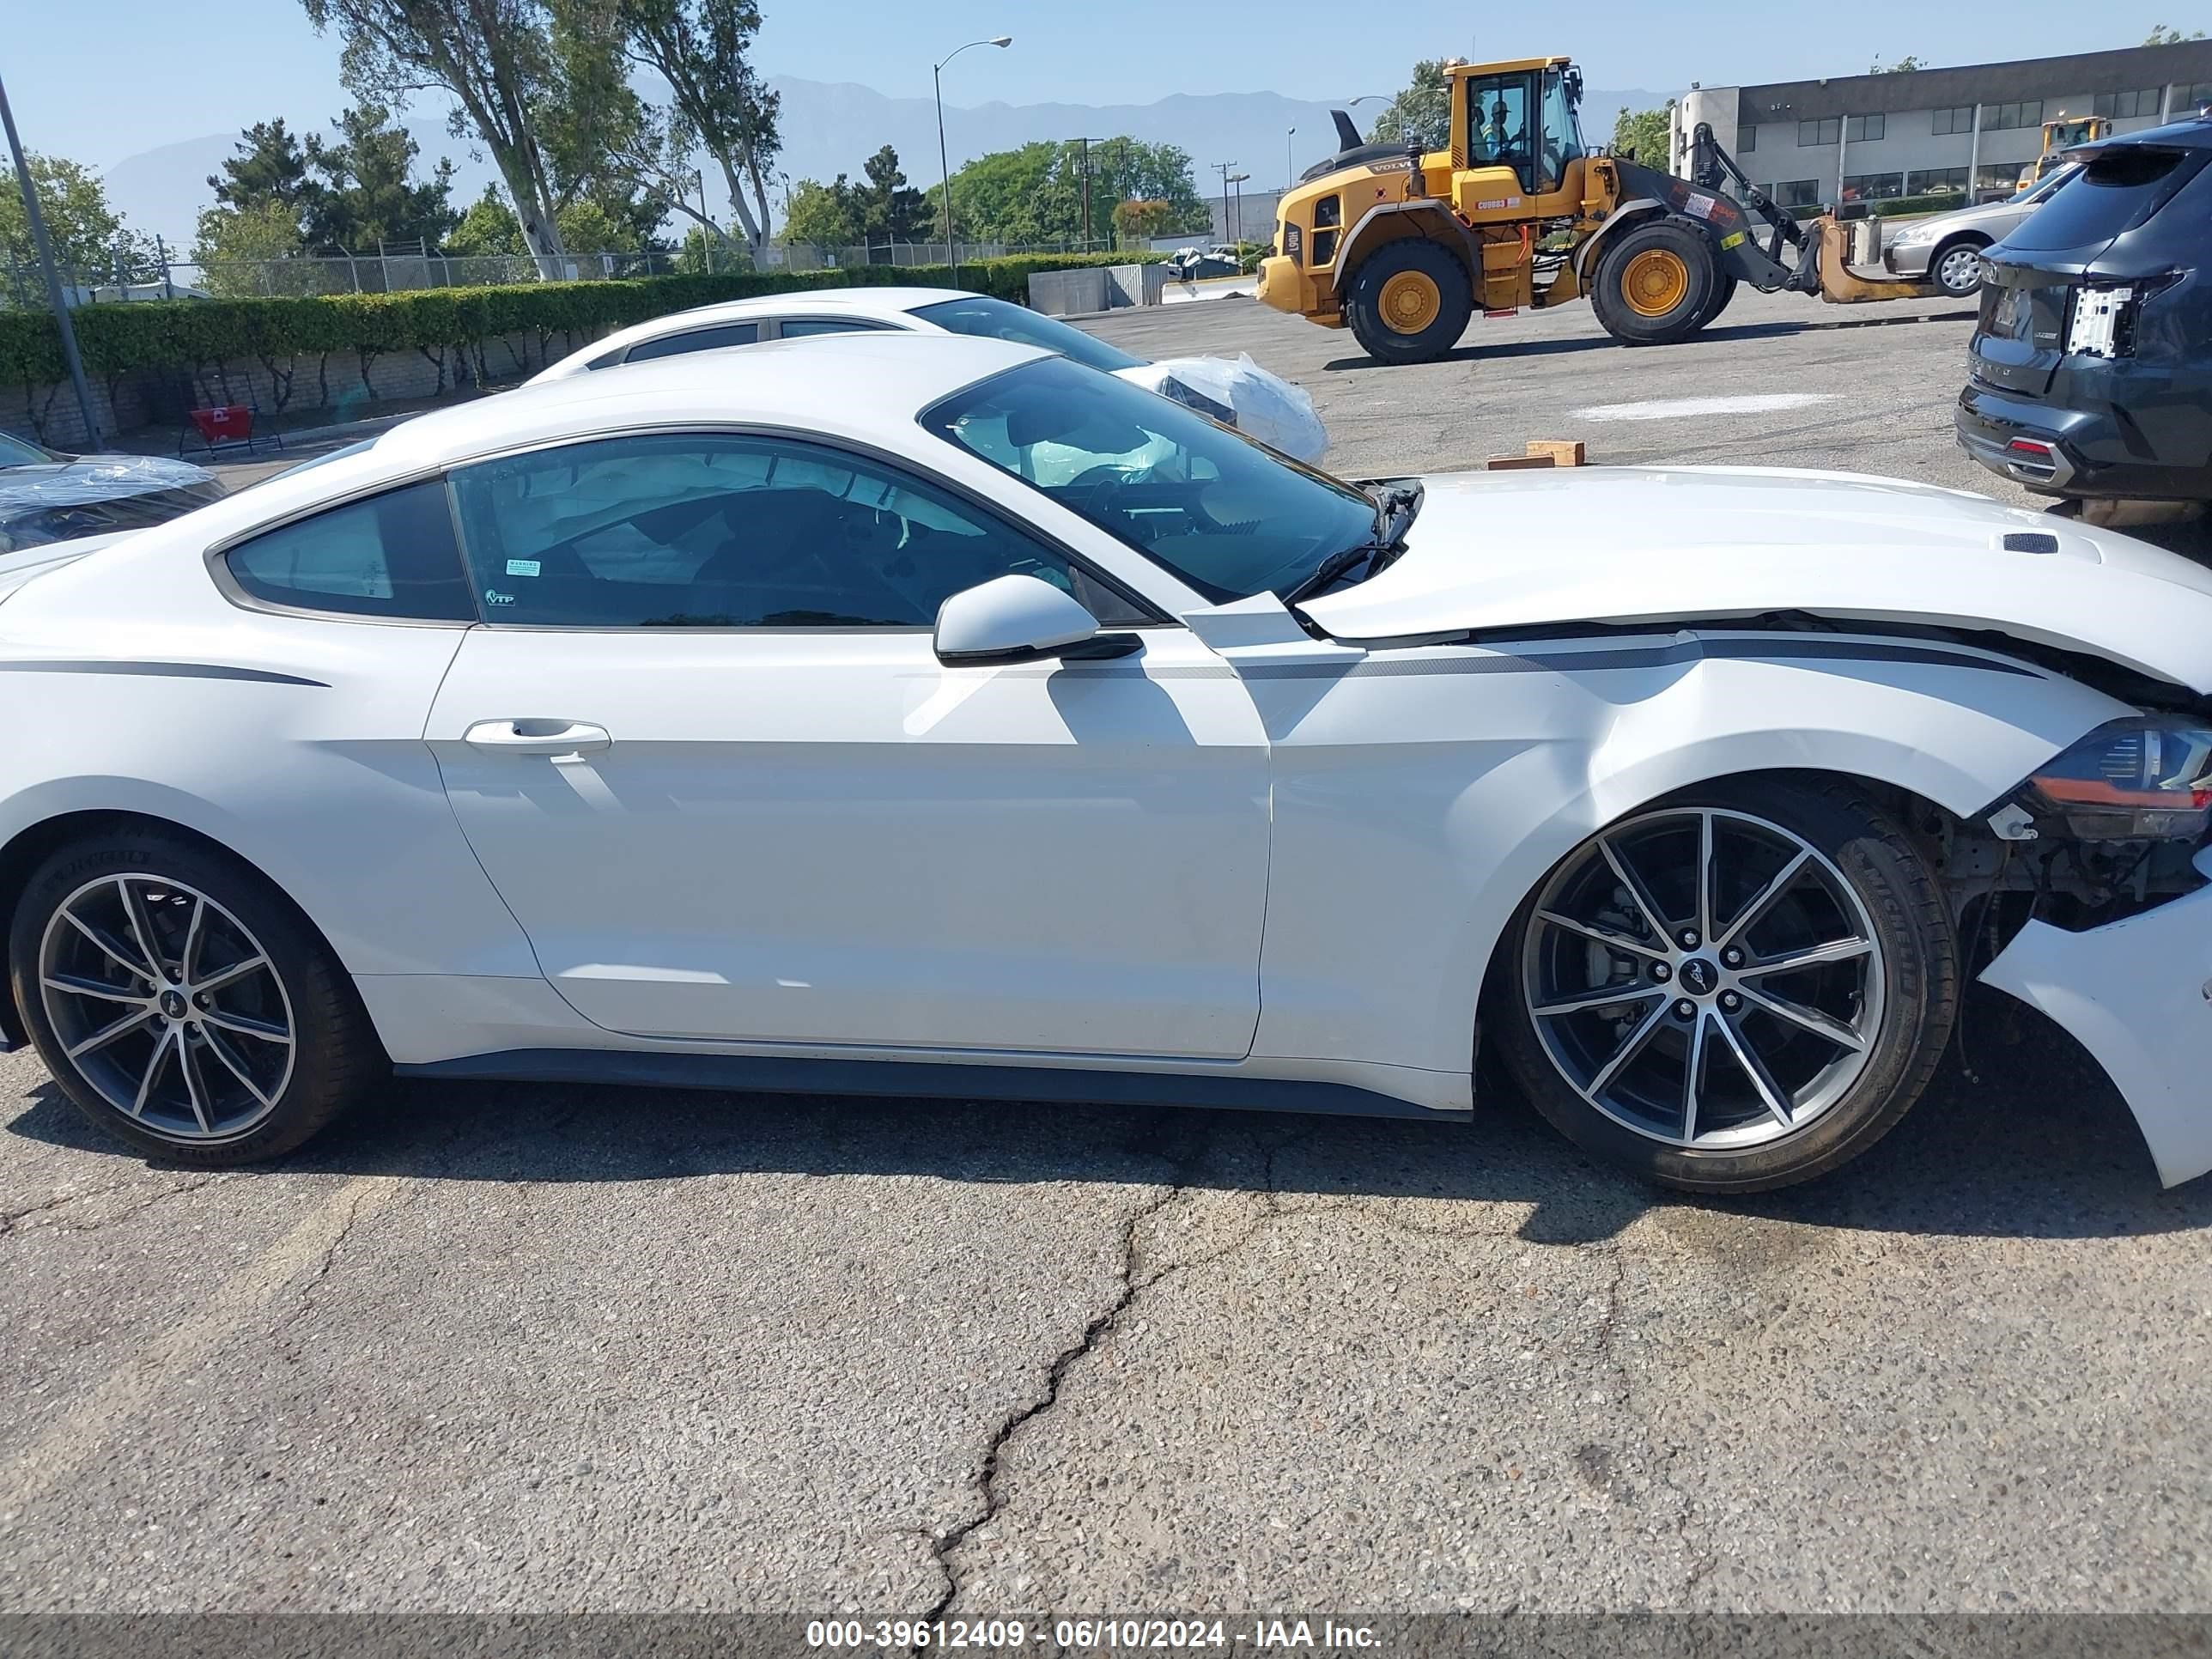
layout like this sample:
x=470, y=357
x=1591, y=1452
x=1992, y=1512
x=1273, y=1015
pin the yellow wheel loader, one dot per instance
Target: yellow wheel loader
x=1402, y=245
x=2063, y=134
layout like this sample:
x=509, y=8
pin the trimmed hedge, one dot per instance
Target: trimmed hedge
x=186, y=333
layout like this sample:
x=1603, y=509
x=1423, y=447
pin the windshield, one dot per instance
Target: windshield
x=2043, y=187
x=21, y=452
x=1229, y=517
x=997, y=319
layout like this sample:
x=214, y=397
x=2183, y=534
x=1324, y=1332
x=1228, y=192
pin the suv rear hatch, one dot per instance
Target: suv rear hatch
x=2032, y=278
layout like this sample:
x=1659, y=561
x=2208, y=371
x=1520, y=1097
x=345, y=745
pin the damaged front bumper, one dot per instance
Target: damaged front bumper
x=2137, y=994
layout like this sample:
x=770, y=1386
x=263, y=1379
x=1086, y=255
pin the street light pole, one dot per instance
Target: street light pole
x=54, y=296
x=944, y=166
x=1290, y=167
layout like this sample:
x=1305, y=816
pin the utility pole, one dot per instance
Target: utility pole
x=54, y=296
x=1222, y=167
x=1290, y=167
x=1237, y=227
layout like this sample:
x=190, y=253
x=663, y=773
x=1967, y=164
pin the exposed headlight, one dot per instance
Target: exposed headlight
x=1924, y=232
x=2147, y=779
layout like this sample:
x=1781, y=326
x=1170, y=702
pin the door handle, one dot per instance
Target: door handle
x=537, y=737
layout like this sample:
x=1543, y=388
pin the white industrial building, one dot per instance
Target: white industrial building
x=1969, y=131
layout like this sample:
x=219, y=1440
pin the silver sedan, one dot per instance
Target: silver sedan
x=1947, y=248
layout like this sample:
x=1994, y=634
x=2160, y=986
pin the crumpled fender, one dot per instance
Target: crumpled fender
x=2137, y=994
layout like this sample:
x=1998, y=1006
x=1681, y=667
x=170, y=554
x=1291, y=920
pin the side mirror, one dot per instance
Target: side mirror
x=1013, y=619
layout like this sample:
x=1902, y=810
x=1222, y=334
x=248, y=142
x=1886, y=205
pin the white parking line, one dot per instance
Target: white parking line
x=1665, y=408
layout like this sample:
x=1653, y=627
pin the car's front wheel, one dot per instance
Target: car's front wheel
x=181, y=1004
x=1957, y=268
x=1735, y=989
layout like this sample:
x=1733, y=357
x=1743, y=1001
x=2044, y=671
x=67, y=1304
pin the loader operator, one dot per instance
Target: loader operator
x=1494, y=139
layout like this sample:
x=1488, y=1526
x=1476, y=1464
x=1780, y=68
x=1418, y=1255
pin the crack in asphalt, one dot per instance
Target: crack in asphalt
x=11, y=1221
x=305, y=1303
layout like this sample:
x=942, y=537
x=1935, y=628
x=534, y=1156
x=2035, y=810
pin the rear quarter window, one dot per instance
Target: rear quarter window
x=2118, y=190
x=391, y=557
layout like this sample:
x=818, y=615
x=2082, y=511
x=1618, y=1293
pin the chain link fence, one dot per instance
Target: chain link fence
x=394, y=270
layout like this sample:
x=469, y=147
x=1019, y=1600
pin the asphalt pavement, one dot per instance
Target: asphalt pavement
x=498, y=1348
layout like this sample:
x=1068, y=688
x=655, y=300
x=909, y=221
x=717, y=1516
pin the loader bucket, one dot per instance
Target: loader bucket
x=1839, y=286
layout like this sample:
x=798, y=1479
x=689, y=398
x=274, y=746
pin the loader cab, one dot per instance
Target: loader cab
x=1516, y=131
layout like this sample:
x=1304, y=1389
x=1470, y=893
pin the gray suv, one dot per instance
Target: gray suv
x=1947, y=248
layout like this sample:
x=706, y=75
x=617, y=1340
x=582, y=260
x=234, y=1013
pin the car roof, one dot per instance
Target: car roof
x=882, y=302
x=868, y=388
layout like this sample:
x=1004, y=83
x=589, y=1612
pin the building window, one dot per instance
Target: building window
x=2002, y=178
x=1872, y=186
x=1797, y=193
x=2124, y=106
x=1865, y=129
x=1938, y=181
x=1820, y=133
x=1747, y=141
x=2195, y=98
x=2003, y=117
x=1960, y=118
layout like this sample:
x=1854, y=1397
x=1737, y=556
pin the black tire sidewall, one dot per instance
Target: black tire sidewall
x=328, y=1026
x=1453, y=284
x=1624, y=323
x=1920, y=969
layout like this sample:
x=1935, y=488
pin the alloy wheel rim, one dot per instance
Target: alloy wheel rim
x=1705, y=978
x=167, y=1006
x=1410, y=301
x=1655, y=282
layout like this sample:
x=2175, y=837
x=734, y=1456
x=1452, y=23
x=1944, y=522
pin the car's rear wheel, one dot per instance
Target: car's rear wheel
x=1736, y=989
x=1956, y=268
x=181, y=1004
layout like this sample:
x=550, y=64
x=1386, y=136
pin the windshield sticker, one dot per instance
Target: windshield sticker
x=522, y=567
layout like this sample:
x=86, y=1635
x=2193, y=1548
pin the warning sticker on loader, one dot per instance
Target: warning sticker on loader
x=1731, y=239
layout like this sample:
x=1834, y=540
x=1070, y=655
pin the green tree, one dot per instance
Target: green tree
x=1035, y=194
x=242, y=251
x=1642, y=133
x=90, y=241
x=890, y=210
x=717, y=101
x=1904, y=65
x=822, y=215
x=1422, y=111
x=2160, y=35
x=493, y=58
x=270, y=167
x=371, y=193
x=489, y=228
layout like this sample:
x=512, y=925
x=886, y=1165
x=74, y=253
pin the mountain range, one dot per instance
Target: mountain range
x=829, y=128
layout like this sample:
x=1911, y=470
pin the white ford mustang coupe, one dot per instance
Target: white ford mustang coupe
x=794, y=729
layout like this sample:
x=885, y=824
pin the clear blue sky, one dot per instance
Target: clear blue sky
x=108, y=78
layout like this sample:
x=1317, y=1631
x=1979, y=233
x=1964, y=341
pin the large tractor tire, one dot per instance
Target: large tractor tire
x=1657, y=284
x=1724, y=291
x=1410, y=301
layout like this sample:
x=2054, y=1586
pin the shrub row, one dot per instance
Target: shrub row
x=185, y=333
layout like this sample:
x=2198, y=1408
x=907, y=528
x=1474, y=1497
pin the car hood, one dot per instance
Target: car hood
x=1493, y=553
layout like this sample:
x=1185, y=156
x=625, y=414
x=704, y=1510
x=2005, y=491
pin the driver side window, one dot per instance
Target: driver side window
x=719, y=530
